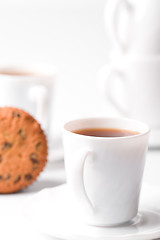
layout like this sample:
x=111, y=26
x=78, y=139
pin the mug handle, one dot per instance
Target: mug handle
x=112, y=11
x=105, y=81
x=78, y=179
x=39, y=95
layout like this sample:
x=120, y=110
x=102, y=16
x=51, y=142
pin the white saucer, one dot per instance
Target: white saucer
x=52, y=212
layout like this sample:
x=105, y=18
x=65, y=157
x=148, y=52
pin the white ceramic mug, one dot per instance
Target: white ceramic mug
x=133, y=25
x=138, y=83
x=104, y=174
x=29, y=88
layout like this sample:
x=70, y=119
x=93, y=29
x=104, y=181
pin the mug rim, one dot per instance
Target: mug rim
x=141, y=134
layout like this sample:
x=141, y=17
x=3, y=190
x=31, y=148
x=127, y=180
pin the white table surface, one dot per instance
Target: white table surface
x=12, y=226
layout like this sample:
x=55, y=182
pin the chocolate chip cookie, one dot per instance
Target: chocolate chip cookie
x=23, y=149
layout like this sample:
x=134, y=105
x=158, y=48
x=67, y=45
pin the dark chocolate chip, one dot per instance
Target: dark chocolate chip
x=6, y=145
x=33, y=158
x=16, y=114
x=20, y=131
x=21, y=134
x=7, y=177
x=0, y=158
x=17, y=179
x=38, y=145
x=28, y=177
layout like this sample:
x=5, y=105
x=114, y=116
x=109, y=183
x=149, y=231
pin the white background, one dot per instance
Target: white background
x=69, y=34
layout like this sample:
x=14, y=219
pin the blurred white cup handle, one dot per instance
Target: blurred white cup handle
x=38, y=95
x=107, y=79
x=115, y=14
x=78, y=179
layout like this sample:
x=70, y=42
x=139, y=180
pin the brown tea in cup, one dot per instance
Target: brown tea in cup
x=105, y=132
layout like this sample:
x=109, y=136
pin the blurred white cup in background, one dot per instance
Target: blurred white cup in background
x=30, y=88
x=132, y=85
x=133, y=26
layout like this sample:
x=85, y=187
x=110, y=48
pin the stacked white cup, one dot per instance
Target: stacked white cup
x=133, y=27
